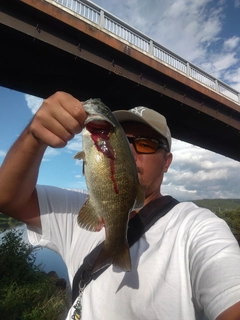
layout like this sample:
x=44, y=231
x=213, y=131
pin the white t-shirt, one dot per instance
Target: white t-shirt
x=186, y=267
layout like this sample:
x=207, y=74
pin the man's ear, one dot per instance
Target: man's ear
x=168, y=161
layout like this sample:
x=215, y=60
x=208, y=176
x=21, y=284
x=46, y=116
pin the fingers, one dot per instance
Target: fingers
x=60, y=117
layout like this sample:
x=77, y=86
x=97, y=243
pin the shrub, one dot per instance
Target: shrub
x=26, y=292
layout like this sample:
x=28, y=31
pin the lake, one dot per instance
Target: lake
x=50, y=260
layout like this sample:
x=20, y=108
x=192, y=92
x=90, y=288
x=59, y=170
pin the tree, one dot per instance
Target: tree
x=232, y=218
x=26, y=292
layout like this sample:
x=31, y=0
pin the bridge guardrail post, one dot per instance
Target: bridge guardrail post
x=216, y=86
x=188, y=69
x=151, y=47
x=102, y=19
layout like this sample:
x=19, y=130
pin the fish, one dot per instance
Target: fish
x=112, y=181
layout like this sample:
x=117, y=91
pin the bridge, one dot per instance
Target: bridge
x=77, y=47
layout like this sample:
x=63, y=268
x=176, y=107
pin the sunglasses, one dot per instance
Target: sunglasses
x=147, y=145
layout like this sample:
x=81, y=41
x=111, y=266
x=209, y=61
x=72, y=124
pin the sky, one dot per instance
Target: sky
x=204, y=32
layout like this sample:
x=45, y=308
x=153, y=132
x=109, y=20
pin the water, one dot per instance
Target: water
x=49, y=260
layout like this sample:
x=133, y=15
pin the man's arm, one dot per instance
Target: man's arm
x=57, y=121
x=232, y=313
x=18, y=176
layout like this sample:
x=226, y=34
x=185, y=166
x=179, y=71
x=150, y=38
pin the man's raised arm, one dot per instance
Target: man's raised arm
x=60, y=117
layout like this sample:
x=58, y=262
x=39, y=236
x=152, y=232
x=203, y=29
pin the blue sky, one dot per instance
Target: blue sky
x=204, y=32
x=58, y=166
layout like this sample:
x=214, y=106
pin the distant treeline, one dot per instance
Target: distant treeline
x=227, y=209
x=218, y=205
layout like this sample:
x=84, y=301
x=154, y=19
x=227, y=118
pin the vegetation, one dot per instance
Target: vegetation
x=227, y=209
x=232, y=217
x=7, y=222
x=26, y=293
x=218, y=205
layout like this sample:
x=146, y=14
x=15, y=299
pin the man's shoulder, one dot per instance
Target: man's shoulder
x=60, y=193
x=191, y=213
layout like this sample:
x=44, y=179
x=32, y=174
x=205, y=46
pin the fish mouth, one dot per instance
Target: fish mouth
x=100, y=131
x=98, y=119
x=99, y=126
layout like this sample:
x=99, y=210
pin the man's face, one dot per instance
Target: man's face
x=150, y=167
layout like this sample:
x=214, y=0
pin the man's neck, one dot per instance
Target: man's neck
x=147, y=200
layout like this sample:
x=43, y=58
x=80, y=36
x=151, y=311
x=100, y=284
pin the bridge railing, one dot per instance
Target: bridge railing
x=122, y=30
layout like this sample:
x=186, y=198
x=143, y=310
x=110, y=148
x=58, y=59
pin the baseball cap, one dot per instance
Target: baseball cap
x=148, y=116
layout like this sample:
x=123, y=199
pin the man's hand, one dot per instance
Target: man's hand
x=60, y=117
x=57, y=121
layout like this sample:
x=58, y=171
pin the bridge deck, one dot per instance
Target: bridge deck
x=44, y=49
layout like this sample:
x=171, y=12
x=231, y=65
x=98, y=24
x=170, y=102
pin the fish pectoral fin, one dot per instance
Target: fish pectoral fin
x=140, y=197
x=88, y=218
x=80, y=155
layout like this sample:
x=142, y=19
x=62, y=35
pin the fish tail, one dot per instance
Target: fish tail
x=119, y=258
x=122, y=259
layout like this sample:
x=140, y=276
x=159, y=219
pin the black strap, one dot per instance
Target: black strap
x=137, y=226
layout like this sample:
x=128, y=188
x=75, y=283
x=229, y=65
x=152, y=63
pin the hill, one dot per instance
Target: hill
x=218, y=205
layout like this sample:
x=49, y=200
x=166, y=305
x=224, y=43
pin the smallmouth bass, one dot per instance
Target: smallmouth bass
x=112, y=181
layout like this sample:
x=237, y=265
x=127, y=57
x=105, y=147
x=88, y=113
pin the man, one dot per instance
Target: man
x=187, y=266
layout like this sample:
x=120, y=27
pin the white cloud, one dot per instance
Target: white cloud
x=51, y=152
x=3, y=153
x=237, y=3
x=224, y=61
x=233, y=77
x=231, y=43
x=197, y=173
x=79, y=163
x=33, y=103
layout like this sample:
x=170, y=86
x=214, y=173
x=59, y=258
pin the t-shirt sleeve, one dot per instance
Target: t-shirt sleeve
x=214, y=266
x=58, y=212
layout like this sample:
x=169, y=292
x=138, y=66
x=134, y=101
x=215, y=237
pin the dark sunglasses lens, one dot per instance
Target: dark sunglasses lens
x=145, y=145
